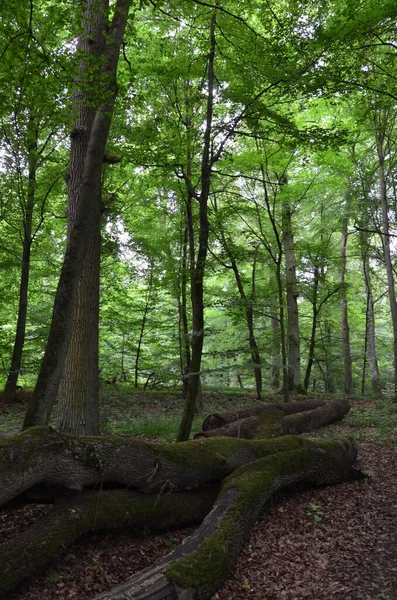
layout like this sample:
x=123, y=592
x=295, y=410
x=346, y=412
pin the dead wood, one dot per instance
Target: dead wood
x=198, y=567
x=217, y=420
x=119, y=483
x=267, y=423
x=109, y=510
x=314, y=419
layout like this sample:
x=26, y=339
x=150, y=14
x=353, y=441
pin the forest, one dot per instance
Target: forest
x=198, y=214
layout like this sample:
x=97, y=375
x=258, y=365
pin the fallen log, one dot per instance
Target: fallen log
x=111, y=510
x=265, y=424
x=271, y=423
x=196, y=569
x=103, y=483
x=217, y=420
x=43, y=457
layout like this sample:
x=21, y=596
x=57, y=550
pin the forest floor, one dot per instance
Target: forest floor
x=335, y=543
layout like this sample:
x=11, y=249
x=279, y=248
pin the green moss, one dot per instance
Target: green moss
x=269, y=424
x=212, y=560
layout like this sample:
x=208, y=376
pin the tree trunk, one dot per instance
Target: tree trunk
x=183, y=318
x=370, y=349
x=346, y=353
x=143, y=323
x=294, y=375
x=78, y=392
x=274, y=420
x=200, y=566
x=12, y=379
x=275, y=325
x=151, y=485
x=380, y=139
x=46, y=390
x=249, y=316
x=197, y=267
x=314, y=328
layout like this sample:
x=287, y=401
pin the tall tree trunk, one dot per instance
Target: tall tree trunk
x=380, y=139
x=370, y=350
x=183, y=318
x=46, y=390
x=15, y=367
x=143, y=324
x=249, y=316
x=275, y=325
x=346, y=353
x=248, y=303
x=294, y=374
x=314, y=328
x=197, y=267
x=78, y=392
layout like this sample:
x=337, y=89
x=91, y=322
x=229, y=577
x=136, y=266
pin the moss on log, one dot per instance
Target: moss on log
x=203, y=562
x=41, y=456
x=268, y=422
x=265, y=424
x=74, y=516
x=217, y=420
x=102, y=483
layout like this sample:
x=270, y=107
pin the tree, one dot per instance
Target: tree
x=344, y=321
x=78, y=392
x=47, y=385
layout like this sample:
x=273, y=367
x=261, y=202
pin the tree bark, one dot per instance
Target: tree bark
x=314, y=328
x=344, y=321
x=248, y=303
x=370, y=350
x=46, y=390
x=197, y=267
x=275, y=420
x=275, y=325
x=380, y=141
x=294, y=374
x=78, y=392
x=143, y=324
x=15, y=367
x=200, y=566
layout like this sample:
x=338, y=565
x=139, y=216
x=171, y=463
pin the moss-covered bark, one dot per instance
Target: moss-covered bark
x=198, y=567
x=274, y=420
x=158, y=486
x=41, y=456
x=109, y=510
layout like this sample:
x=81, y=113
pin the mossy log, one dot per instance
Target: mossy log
x=196, y=569
x=217, y=420
x=269, y=421
x=109, y=483
x=110, y=510
x=43, y=457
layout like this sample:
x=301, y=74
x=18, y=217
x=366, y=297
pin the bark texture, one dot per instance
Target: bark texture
x=344, y=320
x=381, y=126
x=275, y=420
x=198, y=567
x=294, y=361
x=48, y=381
x=16, y=360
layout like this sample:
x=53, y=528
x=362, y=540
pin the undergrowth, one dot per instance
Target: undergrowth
x=155, y=415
